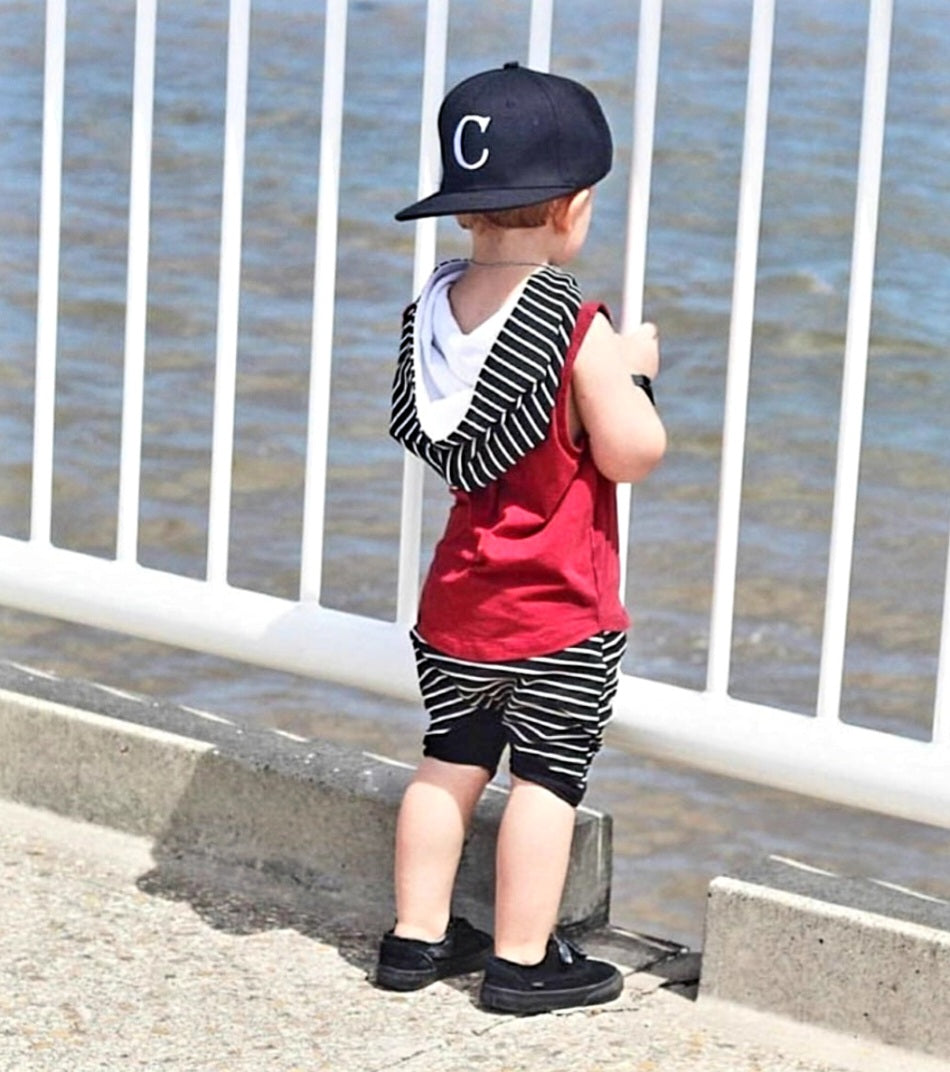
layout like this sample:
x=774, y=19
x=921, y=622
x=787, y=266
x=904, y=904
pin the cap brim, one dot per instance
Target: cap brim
x=450, y=204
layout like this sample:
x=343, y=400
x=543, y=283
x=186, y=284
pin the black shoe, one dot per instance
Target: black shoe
x=563, y=980
x=409, y=964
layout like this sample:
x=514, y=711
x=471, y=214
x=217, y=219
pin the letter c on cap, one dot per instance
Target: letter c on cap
x=482, y=122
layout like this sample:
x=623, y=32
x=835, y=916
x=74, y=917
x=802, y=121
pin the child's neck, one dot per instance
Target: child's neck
x=524, y=247
x=501, y=260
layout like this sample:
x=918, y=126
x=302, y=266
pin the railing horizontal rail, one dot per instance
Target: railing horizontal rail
x=847, y=764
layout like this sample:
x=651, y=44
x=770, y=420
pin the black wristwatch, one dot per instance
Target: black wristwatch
x=645, y=384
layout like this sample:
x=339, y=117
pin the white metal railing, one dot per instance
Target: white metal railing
x=710, y=729
x=638, y=206
x=740, y=346
x=855, y=359
x=136, y=302
x=47, y=305
x=433, y=86
x=229, y=283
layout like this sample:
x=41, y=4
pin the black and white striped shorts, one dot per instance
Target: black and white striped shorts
x=550, y=710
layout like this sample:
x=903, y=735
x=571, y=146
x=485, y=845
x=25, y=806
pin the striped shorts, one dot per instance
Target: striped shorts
x=550, y=710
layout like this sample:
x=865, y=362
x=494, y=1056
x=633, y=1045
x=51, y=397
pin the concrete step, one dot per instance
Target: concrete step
x=311, y=811
x=858, y=956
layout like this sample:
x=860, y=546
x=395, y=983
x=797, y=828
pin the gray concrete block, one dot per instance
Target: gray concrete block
x=87, y=766
x=850, y=954
x=310, y=812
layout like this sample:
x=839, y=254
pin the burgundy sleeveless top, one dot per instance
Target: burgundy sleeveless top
x=529, y=564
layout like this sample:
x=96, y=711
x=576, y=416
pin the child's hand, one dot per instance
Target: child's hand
x=640, y=350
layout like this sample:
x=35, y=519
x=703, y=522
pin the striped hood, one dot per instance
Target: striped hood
x=507, y=412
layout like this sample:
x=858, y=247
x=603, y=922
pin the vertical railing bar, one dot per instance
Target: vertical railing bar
x=433, y=87
x=324, y=300
x=740, y=346
x=539, y=35
x=870, y=166
x=941, y=726
x=638, y=207
x=47, y=302
x=140, y=173
x=229, y=285
x=410, y=539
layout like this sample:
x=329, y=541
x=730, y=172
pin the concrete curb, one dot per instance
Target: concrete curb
x=309, y=811
x=850, y=954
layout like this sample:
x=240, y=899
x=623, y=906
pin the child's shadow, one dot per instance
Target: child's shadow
x=241, y=901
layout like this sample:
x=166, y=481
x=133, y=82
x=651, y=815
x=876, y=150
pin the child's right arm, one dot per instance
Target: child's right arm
x=627, y=437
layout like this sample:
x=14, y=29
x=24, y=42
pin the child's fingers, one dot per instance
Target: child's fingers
x=642, y=349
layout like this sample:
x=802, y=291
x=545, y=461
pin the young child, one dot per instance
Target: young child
x=531, y=407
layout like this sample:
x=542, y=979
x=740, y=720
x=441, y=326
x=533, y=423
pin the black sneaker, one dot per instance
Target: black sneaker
x=409, y=964
x=563, y=980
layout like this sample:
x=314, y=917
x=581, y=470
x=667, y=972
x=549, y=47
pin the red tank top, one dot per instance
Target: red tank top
x=529, y=564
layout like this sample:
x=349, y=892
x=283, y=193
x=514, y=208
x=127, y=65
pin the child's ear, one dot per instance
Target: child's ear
x=568, y=209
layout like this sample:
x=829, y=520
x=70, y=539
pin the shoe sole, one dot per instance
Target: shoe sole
x=390, y=978
x=500, y=999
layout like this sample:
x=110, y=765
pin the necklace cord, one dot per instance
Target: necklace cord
x=508, y=264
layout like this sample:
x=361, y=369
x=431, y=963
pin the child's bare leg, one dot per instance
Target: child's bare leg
x=430, y=833
x=534, y=849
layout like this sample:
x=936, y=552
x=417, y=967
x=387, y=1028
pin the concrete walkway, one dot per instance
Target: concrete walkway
x=107, y=962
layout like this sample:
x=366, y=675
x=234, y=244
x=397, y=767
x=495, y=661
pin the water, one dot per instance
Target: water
x=675, y=827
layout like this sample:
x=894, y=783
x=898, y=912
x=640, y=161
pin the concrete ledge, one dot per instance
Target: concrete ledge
x=854, y=955
x=309, y=811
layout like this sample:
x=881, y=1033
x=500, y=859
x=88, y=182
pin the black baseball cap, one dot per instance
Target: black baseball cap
x=513, y=136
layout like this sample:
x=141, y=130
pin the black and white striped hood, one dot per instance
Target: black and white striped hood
x=514, y=395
